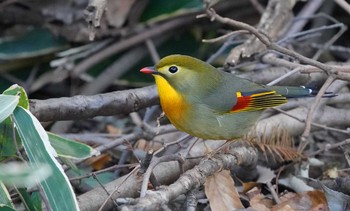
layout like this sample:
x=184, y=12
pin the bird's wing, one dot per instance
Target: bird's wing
x=237, y=94
x=257, y=100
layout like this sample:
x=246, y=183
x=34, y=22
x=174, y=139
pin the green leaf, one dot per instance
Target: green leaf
x=159, y=9
x=8, y=103
x=31, y=202
x=7, y=144
x=35, y=42
x=36, y=200
x=5, y=199
x=71, y=149
x=6, y=208
x=103, y=178
x=18, y=90
x=23, y=175
x=36, y=143
x=91, y=182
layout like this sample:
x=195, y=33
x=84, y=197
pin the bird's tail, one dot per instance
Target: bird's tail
x=295, y=92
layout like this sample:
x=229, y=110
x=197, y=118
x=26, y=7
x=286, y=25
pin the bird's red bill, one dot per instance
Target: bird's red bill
x=147, y=70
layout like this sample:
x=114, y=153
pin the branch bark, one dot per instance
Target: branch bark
x=326, y=116
x=83, y=107
x=194, y=178
x=273, y=22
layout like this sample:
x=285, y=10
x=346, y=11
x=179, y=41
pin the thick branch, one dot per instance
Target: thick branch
x=83, y=107
x=164, y=172
x=327, y=116
x=196, y=177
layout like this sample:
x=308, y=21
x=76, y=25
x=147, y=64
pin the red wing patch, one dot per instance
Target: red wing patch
x=248, y=101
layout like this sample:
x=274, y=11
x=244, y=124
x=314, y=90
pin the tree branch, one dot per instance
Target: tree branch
x=83, y=107
x=196, y=177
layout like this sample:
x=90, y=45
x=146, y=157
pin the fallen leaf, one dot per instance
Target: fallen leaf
x=247, y=186
x=259, y=202
x=295, y=183
x=113, y=130
x=332, y=173
x=118, y=11
x=309, y=200
x=265, y=174
x=221, y=192
x=100, y=161
x=336, y=200
x=253, y=192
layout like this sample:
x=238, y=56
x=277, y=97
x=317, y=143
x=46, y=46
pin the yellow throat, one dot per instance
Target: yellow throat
x=173, y=103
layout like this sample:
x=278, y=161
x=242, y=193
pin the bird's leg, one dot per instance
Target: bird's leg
x=221, y=147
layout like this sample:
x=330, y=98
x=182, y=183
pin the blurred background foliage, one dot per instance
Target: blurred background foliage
x=31, y=45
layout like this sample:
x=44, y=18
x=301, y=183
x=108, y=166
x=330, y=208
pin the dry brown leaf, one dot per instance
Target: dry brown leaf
x=287, y=196
x=118, y=11
x=247, y=186
x=253, y=192
x=113, y=130
x=259, y=202
x=284, y=207
x=221, y=192
x=317, y=197
x=144, y=145
x=309, y=200
x=100, y=161
x=265, y=175
x=332, y=173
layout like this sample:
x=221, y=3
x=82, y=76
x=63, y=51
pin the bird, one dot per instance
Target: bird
x=212, y=104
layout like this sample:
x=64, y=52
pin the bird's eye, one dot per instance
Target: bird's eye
x=173, y=69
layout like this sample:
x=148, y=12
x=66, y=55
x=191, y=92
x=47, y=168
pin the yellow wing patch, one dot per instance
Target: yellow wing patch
x=258, y=100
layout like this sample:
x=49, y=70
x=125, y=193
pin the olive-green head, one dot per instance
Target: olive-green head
x=185, y=74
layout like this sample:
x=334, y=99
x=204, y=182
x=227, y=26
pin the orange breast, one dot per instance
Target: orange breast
x=173, y=104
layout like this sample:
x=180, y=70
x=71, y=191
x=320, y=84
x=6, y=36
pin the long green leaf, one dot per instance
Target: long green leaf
x=19, y=91
x=5, y=200
x=7, y=144
x=8, y=103
x=6, y=208
x=23, y=175
x=34, y=43
x=35, y=140
x=71, y=149
x=30, y=202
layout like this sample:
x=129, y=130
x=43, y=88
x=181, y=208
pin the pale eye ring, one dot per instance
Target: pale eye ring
x=173, y=69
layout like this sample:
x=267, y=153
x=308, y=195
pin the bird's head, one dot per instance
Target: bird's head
x=184, y=73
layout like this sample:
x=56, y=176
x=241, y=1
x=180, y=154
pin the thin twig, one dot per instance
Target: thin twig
x=312, y=123
x=103, y=170
x=279, y=79
x=329, y=146
x=195, y=177
x=306, y=133
x=152, y=50
x=117, y=188
x=154, y=163
x=184, y=138
x=99, y=182
x=225, y=36
x=343, y=4
x=298, y=24
x=267, y=42
x=273, y=192
x=257, y=6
